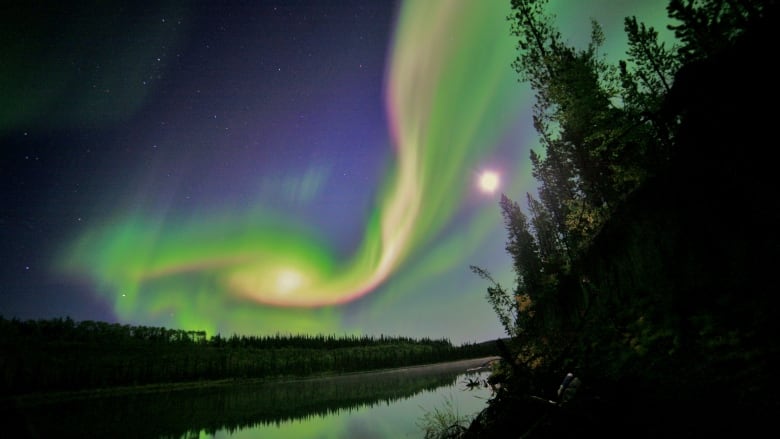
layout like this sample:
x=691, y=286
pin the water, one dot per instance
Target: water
x=388, y=404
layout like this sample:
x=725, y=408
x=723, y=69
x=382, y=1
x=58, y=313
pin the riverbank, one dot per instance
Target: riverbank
x=380, y=404
x=61, y=355
x=55, y=397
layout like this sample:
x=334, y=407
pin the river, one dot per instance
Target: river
x=388, y=404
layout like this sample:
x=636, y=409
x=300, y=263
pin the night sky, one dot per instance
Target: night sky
x=266, y=166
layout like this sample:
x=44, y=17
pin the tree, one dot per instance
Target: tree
x=582, y=171
x=636, y=281
x=602, y=136
x=503, y=303
x=708, y=26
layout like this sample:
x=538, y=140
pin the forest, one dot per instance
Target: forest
x=644, y=263
x=43, y=356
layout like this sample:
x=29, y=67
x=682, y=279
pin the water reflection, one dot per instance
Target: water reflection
x=373, y=405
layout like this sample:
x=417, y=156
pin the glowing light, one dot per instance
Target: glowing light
x=489, y=181
x=447, y=105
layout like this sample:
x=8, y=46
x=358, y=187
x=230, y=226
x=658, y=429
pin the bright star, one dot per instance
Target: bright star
x=489, y=181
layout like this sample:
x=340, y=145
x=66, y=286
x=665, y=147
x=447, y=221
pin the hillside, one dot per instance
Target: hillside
x=676, y=333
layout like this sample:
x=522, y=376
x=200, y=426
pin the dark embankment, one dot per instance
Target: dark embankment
x=681, y=339
x=60, y=355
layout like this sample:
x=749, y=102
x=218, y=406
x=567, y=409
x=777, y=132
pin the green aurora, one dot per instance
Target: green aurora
x=452, y=100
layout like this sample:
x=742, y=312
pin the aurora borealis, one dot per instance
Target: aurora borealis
x=291, y=167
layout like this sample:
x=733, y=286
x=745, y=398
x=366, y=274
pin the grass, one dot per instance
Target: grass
x=444, y=422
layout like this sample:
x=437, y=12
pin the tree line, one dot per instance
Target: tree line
x=62, y=354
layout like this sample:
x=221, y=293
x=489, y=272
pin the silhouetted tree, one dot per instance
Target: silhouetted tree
x=626, y=268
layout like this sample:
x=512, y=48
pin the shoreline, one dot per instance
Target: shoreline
x=53, y=397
